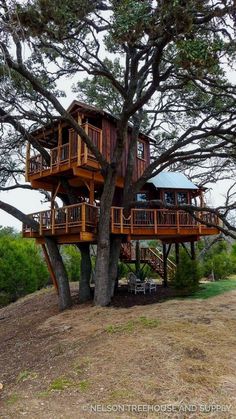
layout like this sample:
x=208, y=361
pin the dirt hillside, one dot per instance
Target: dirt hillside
x=173, y=359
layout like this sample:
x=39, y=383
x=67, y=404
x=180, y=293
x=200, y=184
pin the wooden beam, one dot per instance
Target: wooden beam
x=49, y=265
x=164, y=247
x=91, y=191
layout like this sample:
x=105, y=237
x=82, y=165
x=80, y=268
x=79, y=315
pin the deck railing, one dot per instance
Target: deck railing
x=140, y=221
x=64, y=219
x=73, y=151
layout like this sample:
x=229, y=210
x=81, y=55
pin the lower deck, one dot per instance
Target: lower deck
x=79, y=223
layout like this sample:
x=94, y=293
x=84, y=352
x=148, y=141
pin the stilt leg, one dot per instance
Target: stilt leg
x=49, y=265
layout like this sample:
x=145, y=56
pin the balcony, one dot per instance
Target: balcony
x=75, y=153
x=79, y=222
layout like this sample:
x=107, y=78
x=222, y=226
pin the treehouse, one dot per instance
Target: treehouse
x=70, y=159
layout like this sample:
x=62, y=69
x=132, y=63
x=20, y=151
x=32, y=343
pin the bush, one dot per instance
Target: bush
x=221, y=265
x=72, y=259
x=22, y=269
x=188, y=273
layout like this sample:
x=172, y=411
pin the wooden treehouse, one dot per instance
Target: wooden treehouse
x=71, y=159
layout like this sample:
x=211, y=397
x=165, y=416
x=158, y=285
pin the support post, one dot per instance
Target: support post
x=165, y=282
x=49, y=265
x=137, y=257
x=91, y=192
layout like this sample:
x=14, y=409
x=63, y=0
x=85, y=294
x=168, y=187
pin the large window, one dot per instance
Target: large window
x=169, y=198
x=140, y=150
x=182, y=198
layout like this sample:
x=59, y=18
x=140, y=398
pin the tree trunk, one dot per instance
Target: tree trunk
x=113, y=263
x=60, y=272
x=102, y=296
x=85, y=274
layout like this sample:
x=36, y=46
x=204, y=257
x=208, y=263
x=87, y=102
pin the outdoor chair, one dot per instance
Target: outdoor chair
x=150, y=284
x=135, y=284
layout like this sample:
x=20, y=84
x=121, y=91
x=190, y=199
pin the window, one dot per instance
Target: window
x=140, y=150
x=169, y=198
x=182, y=198
x=141, y=197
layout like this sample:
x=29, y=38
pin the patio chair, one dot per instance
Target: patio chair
x=150, y=284
x=135, y=284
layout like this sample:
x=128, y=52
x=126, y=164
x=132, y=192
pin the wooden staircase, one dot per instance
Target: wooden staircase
x=150, y=255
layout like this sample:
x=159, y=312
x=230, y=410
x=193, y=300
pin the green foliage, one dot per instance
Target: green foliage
x=219, y=262
x=188, y=273
x=72, y=259
x=22, y=269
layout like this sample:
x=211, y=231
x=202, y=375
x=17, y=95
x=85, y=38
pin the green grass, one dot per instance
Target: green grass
x=129, y=326
x=214, y=288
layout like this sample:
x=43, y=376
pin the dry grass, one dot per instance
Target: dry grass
x=175, y=352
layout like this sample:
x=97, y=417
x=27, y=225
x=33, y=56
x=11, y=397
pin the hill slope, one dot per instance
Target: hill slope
x=56, y=365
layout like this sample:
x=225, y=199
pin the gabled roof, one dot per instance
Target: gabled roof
x=172, y=180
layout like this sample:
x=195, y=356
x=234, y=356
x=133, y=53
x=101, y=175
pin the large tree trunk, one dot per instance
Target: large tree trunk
x=85, y=274
x=102, y=296
x=113, y=263
x=60, y=272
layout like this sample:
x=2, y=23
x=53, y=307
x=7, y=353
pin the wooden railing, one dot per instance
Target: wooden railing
x=73, y=151
x=84, y=216
x=154, y=219
x=140, y=221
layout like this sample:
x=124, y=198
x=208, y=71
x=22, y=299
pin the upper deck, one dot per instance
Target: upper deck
x=70, y=156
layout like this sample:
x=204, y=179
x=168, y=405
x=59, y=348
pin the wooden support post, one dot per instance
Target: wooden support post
x=53, y=221
x=49, y=265
x=193, y=253
x=165, y=282
x=27, y=166
x=121, y=220
x=67, y=220
x=85, y=146
x=83, y=217
x=112, y=220
x=91, y=192
x=155, y=221
x=79, y=147
x=177, y=220
x=70, y=145
x=137, y=258
x=177, y=253
x=132, y=221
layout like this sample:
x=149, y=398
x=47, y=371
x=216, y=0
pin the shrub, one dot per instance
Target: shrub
x=72, y=259
x=188, y=273
x=22, y=269
x=221, y=265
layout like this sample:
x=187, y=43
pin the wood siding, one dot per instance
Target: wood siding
x=109, y=140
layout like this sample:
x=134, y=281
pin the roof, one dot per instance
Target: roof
x=172, y=180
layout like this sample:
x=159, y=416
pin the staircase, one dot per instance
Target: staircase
x=150, y=255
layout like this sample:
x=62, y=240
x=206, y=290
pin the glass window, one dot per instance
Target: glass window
x=182, y=198
x=141, y=197
x=169, y=198
x=140, y=150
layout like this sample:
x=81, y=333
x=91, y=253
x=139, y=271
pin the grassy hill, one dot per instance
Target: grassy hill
x=178, y=353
